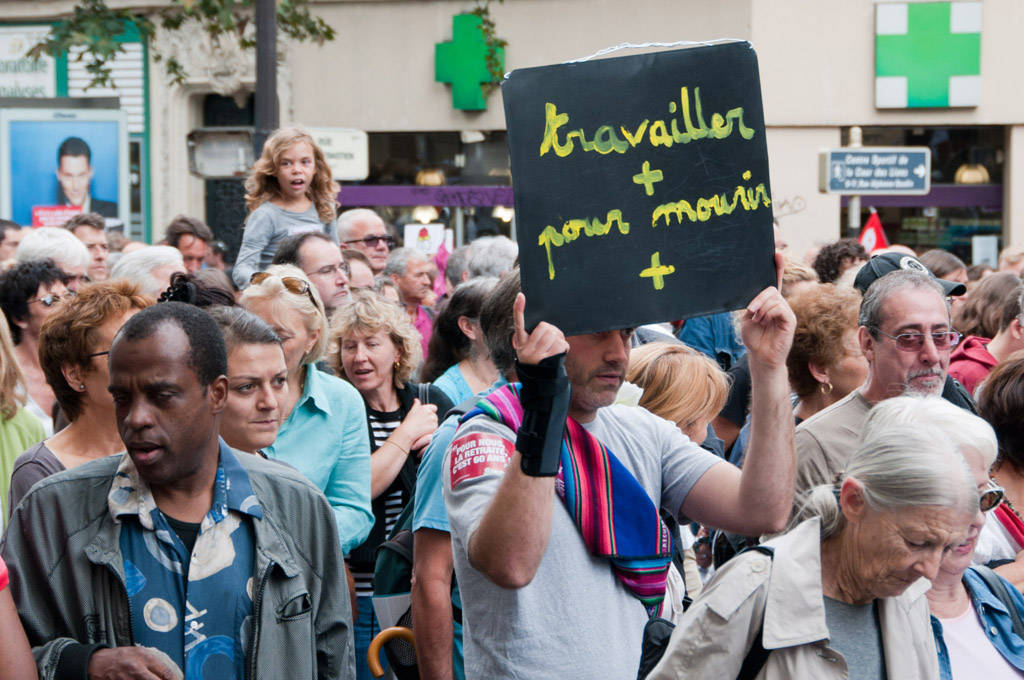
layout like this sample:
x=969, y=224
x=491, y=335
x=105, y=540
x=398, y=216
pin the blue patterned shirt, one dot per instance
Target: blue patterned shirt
x=196, y=608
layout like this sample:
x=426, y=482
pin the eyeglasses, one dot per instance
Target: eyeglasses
x=51, y=299
x=291, y=284
x=331, y=269
x=99, y=354
x=912, y=342
x=991, y=497
x=372, y=241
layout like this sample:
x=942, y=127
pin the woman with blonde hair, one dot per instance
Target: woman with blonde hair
x=289, y=190
x=688, y=388
x=19, y=429
x=73, y=345
x=375, y=347
x=322, y=435
x=680, y=384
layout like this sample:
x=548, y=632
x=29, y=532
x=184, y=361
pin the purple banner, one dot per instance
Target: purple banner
x=448, y=196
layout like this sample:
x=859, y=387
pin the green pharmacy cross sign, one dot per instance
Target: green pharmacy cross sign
x=463, y=63
x=927, y=54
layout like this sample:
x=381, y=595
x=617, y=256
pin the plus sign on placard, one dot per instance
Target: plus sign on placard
x=927, y=54
x=463, y=63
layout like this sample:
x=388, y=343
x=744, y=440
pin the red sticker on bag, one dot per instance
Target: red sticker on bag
x=474, y=454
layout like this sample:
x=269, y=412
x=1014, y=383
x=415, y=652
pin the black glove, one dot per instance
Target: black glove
x=545, y=398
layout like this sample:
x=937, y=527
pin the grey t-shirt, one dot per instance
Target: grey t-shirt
x=575, y=619
x=266, y=227
x=36, y=463
x=854, y=632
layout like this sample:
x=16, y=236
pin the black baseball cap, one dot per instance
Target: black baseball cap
x=880, y=265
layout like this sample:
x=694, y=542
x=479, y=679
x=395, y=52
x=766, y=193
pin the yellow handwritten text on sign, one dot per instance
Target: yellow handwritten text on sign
x=605, y=140
x=571, y=231
x=748, y=198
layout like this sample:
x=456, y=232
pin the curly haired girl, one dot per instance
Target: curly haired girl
x=289, y=191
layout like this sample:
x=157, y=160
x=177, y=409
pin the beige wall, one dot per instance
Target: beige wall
x=817, y=65
x=816, y=62
x=379, y=72
x=805, y=216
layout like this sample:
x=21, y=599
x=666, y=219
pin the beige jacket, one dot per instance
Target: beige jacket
x=785, y=592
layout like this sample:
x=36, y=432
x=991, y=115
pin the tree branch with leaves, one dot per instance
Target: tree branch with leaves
x=94, y=28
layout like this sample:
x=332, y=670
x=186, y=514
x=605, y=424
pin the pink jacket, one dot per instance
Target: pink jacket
x=970, y=362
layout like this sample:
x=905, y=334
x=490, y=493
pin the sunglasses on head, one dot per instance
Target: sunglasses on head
x=291, y=284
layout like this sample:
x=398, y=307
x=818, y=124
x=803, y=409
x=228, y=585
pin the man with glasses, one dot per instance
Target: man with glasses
x=906, y=336
x=318, y=256
x=90, y=229
x=364, y=230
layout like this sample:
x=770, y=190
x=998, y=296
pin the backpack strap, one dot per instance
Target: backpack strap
x=998, y=588
x=658, y=631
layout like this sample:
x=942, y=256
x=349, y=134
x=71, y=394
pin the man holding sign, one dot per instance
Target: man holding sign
x=553, y=492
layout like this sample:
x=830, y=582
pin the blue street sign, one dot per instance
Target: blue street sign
x=876, y=170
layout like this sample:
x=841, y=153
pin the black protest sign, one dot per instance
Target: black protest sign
x=641, y=187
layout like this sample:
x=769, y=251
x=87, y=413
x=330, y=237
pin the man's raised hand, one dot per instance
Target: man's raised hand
x=544, y=341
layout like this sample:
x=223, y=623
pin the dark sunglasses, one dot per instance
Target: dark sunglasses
x=372, y=241
x=291, y=284
x=991, y=497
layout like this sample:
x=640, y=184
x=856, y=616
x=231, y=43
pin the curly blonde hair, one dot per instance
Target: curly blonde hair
x=824, y=315
x=367, y=314
x=261, y=184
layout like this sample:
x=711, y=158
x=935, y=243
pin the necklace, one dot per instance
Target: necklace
x=476, y=376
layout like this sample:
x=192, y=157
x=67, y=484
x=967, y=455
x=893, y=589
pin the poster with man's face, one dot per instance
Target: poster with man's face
x=59, y=162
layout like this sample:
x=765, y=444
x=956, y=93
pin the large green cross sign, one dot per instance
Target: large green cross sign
x=463, y=63
x=927, y=54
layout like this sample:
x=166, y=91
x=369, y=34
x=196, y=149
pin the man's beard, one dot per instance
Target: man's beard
x=927, y=390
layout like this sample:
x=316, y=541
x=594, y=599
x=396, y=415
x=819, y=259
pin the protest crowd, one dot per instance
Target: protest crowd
x=208, y=467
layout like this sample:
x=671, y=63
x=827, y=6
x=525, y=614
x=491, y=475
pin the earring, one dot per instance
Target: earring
x=397, y=364
x=826, y=391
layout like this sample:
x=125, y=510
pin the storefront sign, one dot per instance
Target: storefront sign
x=20, y=75
x=876, y=170
x=347, y=152
x=641, y=187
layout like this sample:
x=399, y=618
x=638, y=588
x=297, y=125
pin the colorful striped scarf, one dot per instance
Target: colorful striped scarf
x=613, y=512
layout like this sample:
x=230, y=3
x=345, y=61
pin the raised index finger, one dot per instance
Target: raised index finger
x=519, y=316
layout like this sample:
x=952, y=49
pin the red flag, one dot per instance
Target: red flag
x=872, y=236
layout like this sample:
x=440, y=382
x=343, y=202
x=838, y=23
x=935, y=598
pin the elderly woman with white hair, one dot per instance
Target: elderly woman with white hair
x=151, y=267
x=323, y=435
x=61, y=246
x=972, y=607
x=841, y=594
